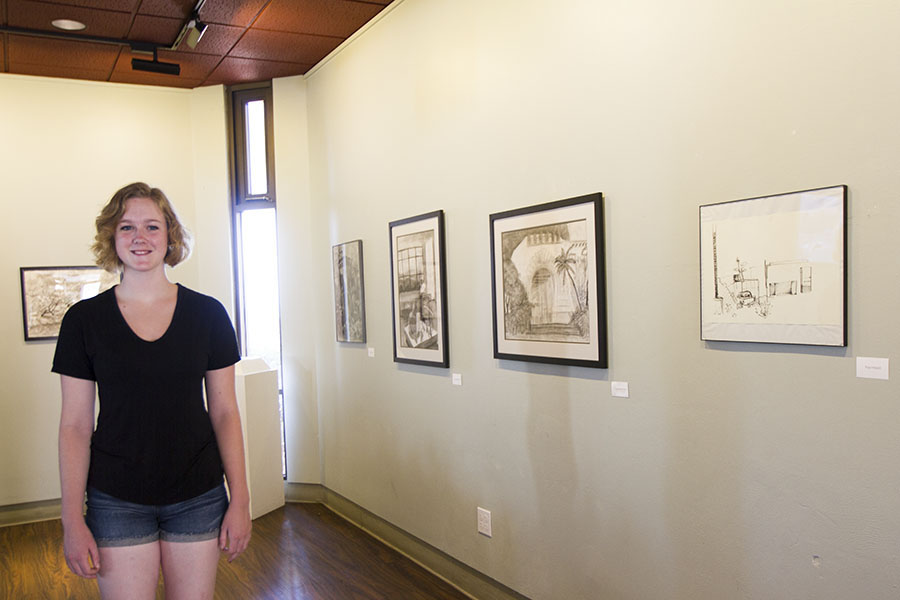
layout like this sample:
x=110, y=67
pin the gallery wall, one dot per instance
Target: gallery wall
x=733, y=469
x=66, y=147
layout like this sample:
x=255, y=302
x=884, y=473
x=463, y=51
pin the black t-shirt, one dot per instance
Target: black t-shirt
x=154, y=442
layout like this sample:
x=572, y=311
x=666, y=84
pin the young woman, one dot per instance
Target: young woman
x=153, y=467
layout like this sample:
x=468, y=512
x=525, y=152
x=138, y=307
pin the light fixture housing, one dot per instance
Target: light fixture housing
x=196, y=29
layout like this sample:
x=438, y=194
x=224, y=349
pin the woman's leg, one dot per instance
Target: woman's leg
x=129, y=572
x=189, y=569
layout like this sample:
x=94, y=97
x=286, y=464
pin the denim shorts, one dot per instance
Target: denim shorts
x=116, y=522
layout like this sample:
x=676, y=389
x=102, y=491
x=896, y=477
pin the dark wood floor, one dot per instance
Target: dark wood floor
x=301, y=551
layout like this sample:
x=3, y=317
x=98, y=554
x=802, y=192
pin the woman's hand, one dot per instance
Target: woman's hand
x=235, y=532
x=80, y=550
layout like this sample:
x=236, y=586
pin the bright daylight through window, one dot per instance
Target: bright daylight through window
x=256, y=239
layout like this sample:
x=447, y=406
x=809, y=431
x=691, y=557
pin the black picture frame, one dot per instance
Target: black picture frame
x=48, y=292
x=548, y=283
x=419, y=290
x=773, y=269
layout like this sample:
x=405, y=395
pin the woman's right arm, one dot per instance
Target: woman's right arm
x=76, y=425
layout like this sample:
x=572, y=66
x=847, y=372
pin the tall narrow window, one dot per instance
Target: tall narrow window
x=256, y=233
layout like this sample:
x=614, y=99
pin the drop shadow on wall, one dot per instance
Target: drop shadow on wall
x=554, y=370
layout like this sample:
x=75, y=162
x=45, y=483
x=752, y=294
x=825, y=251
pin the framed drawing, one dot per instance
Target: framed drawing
x=419, y=290
x=548, y=283
x=349, y=294
x=48, y=292
x=774, y=269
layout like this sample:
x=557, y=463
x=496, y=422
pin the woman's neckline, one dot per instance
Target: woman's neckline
x=124, y=321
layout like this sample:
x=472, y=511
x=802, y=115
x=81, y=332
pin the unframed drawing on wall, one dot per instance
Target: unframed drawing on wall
x=349, y=292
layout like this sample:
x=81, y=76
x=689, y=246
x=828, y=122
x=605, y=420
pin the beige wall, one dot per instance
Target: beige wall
x=66, y=146
x=734, y=470
x=296, y=287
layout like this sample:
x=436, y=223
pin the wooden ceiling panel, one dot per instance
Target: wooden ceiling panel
x=193, y=66
x=238, y=14
x=27, y=50
x=285, y=47
x=38, y=15
x=179, y=9
x=248, y=69
x=245, y=41
x=158, y=30
x=128, y=6
x=217, y=40
x=339, y=18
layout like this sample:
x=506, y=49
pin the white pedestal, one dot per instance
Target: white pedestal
x=256, y=387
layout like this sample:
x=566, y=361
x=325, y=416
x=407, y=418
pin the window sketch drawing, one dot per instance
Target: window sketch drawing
x=418, y=308
x=419, y=290
x=349, y=292
x=773, y=268
x=48, y=292
x=548, y=288
x=545, y=283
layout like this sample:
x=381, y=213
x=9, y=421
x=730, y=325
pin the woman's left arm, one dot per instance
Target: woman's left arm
x=226, y=422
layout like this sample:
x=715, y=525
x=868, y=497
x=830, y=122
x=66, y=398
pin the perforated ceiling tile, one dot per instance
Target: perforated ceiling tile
x=61, y=54
x=178, y=9
x=248, y=69
x=158, y=30
x=339, y=18
x=285, y=47
x=40, y=15
x=217, y=40
x=240, y=31
x=238, y=14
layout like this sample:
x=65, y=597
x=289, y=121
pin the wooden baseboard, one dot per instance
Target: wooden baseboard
x=30, y=512
x=463, y=577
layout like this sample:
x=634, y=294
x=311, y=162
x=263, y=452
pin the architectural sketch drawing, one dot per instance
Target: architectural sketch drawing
x=47, y=293
x=757, y=287
x=416, y=272
x=772, y=269
x=545, y=283
x=349, y=302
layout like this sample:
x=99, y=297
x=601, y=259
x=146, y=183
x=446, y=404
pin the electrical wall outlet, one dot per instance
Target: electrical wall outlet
x=484, y=521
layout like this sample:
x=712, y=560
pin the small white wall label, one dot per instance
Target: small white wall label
x=456, y=378
x=619, y=389
x=371, y=352
x=872, y=368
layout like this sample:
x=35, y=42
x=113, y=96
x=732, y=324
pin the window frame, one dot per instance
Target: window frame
x=236, y=99
x=243, y=199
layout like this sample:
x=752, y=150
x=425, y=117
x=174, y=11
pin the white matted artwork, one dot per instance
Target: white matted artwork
x=419, y=290
x=549, y=291
x=774, y=269
x=48, y=292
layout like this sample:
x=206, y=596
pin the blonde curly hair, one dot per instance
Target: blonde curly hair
x=104, y=246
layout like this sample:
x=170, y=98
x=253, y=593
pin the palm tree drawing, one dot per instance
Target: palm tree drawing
x=565, y=264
